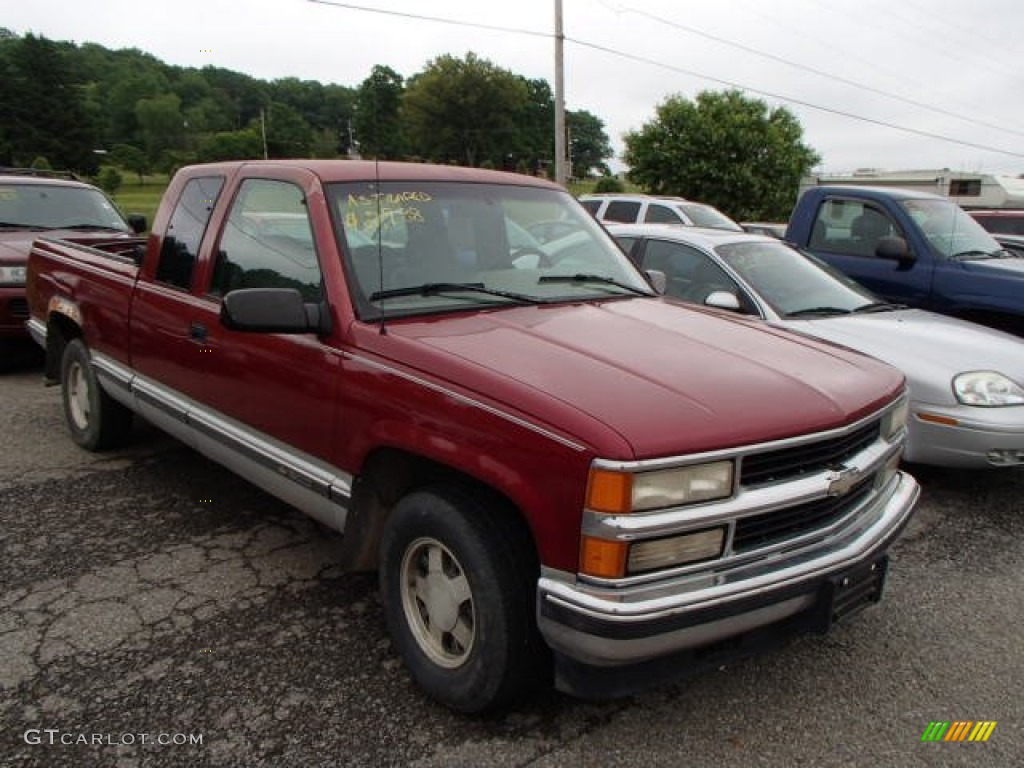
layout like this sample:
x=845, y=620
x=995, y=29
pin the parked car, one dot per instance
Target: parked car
x=966, y=380
x=35, y=204
x=653, y=209
x=1001, y=222
x=1006, y=226
x=778, y=231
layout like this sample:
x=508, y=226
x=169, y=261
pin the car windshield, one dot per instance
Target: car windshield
x=423, y=247
x=792, y=283
x=950, y=230
x=706, y=216
x=54, y=206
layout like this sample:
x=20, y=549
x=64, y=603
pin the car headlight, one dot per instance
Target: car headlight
x=987, y=388
x=895, y=419
x=13, y=275
x=623, y=492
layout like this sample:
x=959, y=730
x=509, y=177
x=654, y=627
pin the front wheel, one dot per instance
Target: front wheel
x=458, y=578
x=96, y=421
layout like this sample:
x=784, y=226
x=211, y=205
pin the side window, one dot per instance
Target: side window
x=268, y=242
x=692, y=275
x=662, y=214
x=851, y=227
x=622, y=210
x=185, y=231
x=591, y=206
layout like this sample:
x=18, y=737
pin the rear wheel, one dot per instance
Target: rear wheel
x=458, y=577
x=96, y=420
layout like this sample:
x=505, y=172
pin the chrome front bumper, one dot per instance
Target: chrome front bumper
x=603, y=627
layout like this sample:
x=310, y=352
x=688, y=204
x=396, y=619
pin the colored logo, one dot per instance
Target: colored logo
x=959, y=730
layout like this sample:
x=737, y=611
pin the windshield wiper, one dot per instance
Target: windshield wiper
x=972, y=254
x=16, y=225
x=819, y=311
x=582, y=278
x=89, y=226
x=879, y=306
x=433, y=289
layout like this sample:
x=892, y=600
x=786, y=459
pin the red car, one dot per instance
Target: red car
x=36, y=204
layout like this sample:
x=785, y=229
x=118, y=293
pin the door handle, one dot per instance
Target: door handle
x=197, y=331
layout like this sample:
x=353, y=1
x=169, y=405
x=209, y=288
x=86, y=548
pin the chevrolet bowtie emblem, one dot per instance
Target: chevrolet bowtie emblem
x=841, y=481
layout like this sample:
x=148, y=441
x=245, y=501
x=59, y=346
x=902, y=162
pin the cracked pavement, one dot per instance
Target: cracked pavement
x=148, y=592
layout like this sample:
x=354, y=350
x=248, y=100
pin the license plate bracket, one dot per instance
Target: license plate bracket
x=846, y=593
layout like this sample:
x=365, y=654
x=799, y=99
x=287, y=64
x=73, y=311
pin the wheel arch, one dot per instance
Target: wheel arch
x=391, y=473
x=60, y=329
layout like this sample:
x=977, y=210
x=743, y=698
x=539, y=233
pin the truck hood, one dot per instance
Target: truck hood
x=1001, y=267
x=929, y=348
x=666, y=379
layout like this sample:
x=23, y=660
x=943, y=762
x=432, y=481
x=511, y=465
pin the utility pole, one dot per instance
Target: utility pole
x=559, y=97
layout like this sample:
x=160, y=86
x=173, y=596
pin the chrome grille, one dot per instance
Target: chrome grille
x=786, y=463
x=761, y=530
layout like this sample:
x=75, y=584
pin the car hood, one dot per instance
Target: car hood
x=16, y=245
x=929, y=348
x=663, y=378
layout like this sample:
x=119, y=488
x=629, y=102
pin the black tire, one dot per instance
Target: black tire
x=458, y=576
x=96, y=421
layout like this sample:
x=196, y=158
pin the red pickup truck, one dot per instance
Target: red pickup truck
x=544, y=459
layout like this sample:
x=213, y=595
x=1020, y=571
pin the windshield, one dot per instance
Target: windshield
x=706, y=216
x=950, y=230
x=413, y=248
x=46, y=206
x=793, y=283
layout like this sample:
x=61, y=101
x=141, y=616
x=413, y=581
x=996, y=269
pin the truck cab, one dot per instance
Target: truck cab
x=914, y=248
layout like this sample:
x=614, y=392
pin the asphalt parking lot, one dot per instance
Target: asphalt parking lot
x=155, y=610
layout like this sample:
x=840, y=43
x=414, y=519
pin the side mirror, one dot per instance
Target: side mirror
x=273, y=310
x=137, y=222
x=723, y=300
x=896, y=249
x=657, y=279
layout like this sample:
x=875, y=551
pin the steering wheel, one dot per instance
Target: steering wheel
x=543, y=259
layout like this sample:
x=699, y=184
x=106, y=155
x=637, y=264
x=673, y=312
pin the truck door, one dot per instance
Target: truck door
x=846, y=233
x=281, y=385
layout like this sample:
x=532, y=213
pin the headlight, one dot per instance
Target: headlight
x=895, y=419
x=12, y=275
x=987, y=388
x=622, y=492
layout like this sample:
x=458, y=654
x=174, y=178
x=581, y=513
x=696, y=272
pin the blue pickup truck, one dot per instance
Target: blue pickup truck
x=914, y=248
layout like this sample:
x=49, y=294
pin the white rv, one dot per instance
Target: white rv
x=968, y=190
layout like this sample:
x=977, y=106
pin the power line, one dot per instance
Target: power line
x=819, y=72
x=790, y=99
x=438, y=19
x=681, y=70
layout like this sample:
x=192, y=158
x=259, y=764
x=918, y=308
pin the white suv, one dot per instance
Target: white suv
x=655, y=209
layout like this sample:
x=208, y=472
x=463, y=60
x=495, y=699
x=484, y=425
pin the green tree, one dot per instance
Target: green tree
x=109, y=179
x=232, y=145
x=377, y=123
x=463, y=110
x=132, y=159
x=161, y=124
x=44, y=109
x=728, y=150
x=288, y=133
x=589, y=146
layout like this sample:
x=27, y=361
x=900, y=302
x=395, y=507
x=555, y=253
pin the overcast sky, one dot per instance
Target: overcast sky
x=942, y=68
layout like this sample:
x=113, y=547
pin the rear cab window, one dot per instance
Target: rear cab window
x=188, y=222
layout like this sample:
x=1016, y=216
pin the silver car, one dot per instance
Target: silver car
x=966, y=381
